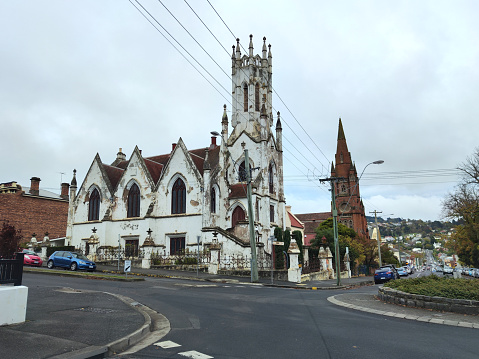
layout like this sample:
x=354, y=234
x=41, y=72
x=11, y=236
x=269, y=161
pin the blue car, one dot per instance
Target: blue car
x=71, y=260
x=384, y=274
x=402, y=272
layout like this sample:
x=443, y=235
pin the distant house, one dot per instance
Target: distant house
x=33, y=210
x=311, y=221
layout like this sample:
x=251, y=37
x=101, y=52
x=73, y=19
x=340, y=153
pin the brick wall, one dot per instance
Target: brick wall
x=33, y=214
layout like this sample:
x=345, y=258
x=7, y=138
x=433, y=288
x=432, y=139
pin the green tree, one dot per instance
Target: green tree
x=10, y=239
x=278, y=250
x=298, y=237
x=345, y=239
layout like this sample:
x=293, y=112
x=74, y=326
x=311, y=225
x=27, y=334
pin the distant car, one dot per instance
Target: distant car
x=448, y=270
x=384, y=274
x=30, y=258
x=71, y=260
x=402, y=272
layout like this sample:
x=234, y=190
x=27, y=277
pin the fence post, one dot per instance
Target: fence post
x=18, y=271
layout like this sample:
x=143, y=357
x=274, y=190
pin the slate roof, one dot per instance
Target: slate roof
x=156, y=164
x=238, y=191
x=309, y=217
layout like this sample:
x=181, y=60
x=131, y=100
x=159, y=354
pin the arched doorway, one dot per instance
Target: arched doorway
x=238, y=215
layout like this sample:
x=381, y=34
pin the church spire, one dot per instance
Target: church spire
x=341, y=131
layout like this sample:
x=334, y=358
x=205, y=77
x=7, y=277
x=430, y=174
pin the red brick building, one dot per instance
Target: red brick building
x=348, y=200
x=33, y=210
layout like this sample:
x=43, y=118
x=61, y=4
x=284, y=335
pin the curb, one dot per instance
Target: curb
x=159, y=324
x=426, y=319
x=135, y=277
x=81, y=275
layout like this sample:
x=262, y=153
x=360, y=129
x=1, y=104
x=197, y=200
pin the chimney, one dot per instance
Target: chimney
x=213, y=142
x=120, y=156
x=65, y=188
x=173, y=145
x=35, y=186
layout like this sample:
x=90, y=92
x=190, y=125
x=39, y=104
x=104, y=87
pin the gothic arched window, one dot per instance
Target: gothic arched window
x=134, y=201
x=238, y=215
x=271, y=179
x=256, y=97
x=94, y=206
x=245, y=97
x=178, y=197
x=242, y=177
x=213, y=200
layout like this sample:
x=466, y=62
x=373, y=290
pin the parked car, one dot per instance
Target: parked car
x=30, y=258
x=384, y=274
x=402, y=272
x=72, y=260
x=393, y=268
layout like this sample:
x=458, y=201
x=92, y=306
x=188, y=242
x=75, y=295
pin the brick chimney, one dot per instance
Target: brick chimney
x=35, y=186
x=173, y=145
x=213, y=142
x=65, y=188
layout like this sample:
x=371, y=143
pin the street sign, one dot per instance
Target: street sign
x=127, y=268
x=276, y=243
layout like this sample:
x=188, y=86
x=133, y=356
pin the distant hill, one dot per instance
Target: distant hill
x=400, y=226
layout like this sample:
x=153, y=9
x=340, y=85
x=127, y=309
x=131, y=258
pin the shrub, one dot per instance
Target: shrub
x=460, y=288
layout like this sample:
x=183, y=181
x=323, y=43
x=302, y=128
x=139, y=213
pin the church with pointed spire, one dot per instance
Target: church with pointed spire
x=185, y=198
x=348, y=199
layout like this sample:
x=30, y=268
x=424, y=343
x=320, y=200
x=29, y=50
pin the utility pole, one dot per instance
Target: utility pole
x=252, y=239
x=377, y=235
x=332, y=180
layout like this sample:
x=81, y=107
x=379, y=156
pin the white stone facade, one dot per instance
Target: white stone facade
x=214, y=185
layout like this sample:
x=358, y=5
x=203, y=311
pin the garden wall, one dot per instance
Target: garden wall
x=462, y=306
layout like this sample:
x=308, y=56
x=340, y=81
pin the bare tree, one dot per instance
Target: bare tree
x=463, y=204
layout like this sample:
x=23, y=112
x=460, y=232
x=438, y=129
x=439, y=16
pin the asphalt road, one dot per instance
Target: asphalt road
x=211, y=320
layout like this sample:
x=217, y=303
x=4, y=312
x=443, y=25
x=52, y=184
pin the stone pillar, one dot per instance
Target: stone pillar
x=33, y=241
x=214, y=253
x=329, y=263
x=147, y=252
x=93, y=245
x=347, y=261
x=43, y=255
x=323, y=258
x=294, y=271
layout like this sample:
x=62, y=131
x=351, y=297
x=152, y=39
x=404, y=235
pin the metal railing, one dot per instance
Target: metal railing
x=11, y=270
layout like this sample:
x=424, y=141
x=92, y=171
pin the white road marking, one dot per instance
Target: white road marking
x=167, y=344
x=195, y=355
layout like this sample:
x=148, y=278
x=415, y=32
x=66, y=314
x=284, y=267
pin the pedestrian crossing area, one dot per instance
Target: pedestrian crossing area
x=193, y=354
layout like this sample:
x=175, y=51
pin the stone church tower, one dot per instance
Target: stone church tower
x=348, y=200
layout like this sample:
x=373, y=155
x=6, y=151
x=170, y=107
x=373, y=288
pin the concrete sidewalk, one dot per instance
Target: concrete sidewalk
x=67, y=323
x=193, y=275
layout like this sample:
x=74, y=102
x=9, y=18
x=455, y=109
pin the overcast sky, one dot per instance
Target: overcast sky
x=81, y=77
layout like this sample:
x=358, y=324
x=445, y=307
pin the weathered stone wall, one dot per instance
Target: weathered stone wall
x=462, y=306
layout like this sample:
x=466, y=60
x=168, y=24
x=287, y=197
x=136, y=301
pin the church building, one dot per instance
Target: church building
x=185, y=197
x=348, y=200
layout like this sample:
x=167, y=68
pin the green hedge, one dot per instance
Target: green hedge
x=460, y=288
